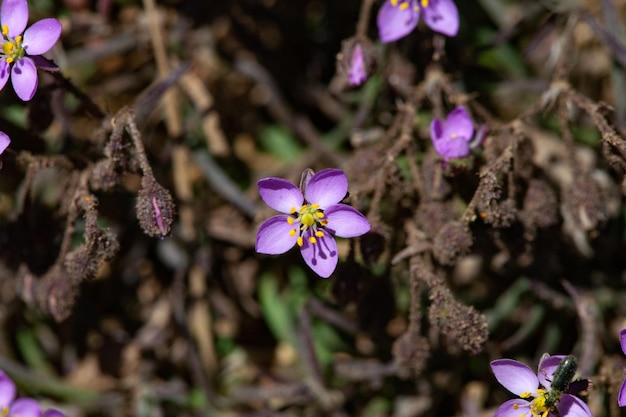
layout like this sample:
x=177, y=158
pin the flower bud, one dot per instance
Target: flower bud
x=155, y=208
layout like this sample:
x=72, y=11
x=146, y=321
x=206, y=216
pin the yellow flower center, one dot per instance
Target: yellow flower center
x=309, y=217
x=404, y=5
x=11, y=48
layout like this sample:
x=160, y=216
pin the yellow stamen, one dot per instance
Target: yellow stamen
x=324, y=222
x=319, y=234
x=299, y=241
x=315, y=206
x=290, y=220
x=303, y=209
x=404, y=6
x=525, y=395
x=319, y=214
x=9, y=60
x=18, y=39
x=308, y=219
x=454, y=135
x=8, y=47
x=515, y=406
x=292, y=232
x=394, y=3
x=424, y=3
x=292, y=210
x=312, y=240
x=5, y=30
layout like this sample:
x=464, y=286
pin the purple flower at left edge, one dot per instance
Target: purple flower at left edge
x=534, y=389
x=312, y=217
x=398, y=18
x=19, y=47
x=22, y=407
x=621, y=397
x=452, y=137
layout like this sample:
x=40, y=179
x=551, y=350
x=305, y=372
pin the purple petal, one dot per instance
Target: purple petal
x=622, y=340
x=24, y=78
x=321, y=256
x=14, y=15
x=442, y=16
x=273, y=236
x=346, y=221
x=41, y=36
x=45, y=64
x=53, y=413
x=280, y=194
x=621, y=396
x=25, y=407
x=5, y=71
x=436, y=129
x=546, y=369
x=513, y=408
x=7, y=390
x=4, y=144
x=515, y=376
x=450, y=148
x=327, y=187
x=357, y=74
x=395, y=22
x=459, y=123
x=570, y=406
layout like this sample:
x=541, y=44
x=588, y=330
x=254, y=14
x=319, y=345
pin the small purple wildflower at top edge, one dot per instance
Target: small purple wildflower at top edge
x=451, y=138
x=20, y=47
x=533, y=390
x=621, y=397
x=398, y=18
x=313, y=216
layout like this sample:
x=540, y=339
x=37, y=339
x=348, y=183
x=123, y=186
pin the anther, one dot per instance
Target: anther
x=424, y=3
x=299, y=241
x=290, y=220
x=319, y=234
x=394, y=3
x=292, y=232
x=312, y=240
x=404, y=6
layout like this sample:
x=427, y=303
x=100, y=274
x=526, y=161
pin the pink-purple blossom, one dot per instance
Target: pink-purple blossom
x=19, y=47
x=357, y=74
x=535, y=390
x=621, y=396
x=4, y=142
x=21, y=407
x=312, y=217
x=398, y=18
x=452, y=137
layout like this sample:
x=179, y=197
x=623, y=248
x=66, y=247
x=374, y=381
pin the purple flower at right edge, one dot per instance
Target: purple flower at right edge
x=398, y=18
x=621, y=397
x=534, y=391
x=452, y=137
x=312, y=217
x=18, y=51
x=22, y=407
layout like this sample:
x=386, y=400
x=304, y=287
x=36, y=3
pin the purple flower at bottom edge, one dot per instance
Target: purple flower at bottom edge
x=22, y=407
x=4, y=142
x=452, y=137
x=312, y=217
x=621, y=397
x=18, y=46
x=533, y=390
x=398, y=18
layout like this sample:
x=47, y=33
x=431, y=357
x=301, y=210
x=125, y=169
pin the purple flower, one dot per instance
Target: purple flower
x=621, y=397
x=452, y=137
x=4, y=142
x=397, y=18
x=17, y=48
x=534, y=390
x=22, y=407
x=312, y=216
x=357, y=73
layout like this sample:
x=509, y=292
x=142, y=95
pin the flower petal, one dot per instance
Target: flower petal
x=53, y=413
x=280, y=194
x=327, y=187
x=621, y=396
x=346, y=221
x=571, y=406
x=273, y=236
x=515, y=376
x=14, y=15
x=4, y=144
x=41, y=36
x=25, y=407
x=321, y=256
x=450, y=148
x=24, y=78
x=5, y=72
x=436, y=129
x=357, y=74
x=622, y=340
x=395, y=22
x=7, y=390
x=442, y=16
x=513, y=408
x=546, y=369
x=459, y=123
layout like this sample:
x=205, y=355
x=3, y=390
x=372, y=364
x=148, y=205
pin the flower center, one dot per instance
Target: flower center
x=310, y=218
x=404, y=5
x=544, y=404
x=11, y=48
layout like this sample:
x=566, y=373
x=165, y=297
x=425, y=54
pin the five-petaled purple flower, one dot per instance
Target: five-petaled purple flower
x=621, y=397
x=4, y=142
x=17, y=49
x=397, y=18
x=452, y=137
x=22, y=407
x=534, y=391
x=312, y=217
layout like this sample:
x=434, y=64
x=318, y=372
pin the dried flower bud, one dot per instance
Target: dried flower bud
x=453, y=240
x=355, y=60
x=155, y=208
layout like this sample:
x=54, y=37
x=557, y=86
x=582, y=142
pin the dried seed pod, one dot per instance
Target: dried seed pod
x=155, y=208
x=452, y=241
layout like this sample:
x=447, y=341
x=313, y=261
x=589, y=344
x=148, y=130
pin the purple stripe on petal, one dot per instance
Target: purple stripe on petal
x=622, y=340
x=546, y=369
x=4, y=144
x=14, y=15
x=7, y=390
x=25, y=407
x=621, y=396
x=273, y=236
x=570, y=406
x=24, y=78
x=513, y=408
x=41, y=36
x=327, y=187
x=5, y=72
x=460, y=123
x=442, y=16
x=345, y=221
x=280, y=194
x=321, y=257
x=515, y=376
x=395, y=22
